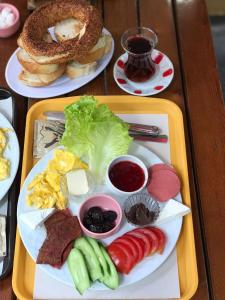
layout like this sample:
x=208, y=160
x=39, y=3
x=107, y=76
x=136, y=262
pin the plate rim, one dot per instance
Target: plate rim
x=17, y=150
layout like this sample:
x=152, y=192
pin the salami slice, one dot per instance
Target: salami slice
x=159, y=167
x=164, y=185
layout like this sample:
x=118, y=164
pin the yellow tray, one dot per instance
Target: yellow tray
x=24, y=266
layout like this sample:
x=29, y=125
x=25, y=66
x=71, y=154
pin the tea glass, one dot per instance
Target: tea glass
x=138, y=43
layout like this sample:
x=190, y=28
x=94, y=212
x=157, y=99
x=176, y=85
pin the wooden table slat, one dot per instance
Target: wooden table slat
x=119, y=16
x=207, y=122
x=166, y=32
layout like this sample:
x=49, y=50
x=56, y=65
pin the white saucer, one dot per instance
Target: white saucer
x=159, y=82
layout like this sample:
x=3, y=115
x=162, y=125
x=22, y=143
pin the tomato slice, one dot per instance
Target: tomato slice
x=152, y=237
x=161, y=238
x=139, y=244
x=130, y=245
x=121, y=257
x=143, y=238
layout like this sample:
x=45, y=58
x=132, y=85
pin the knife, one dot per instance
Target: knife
x=134, y=128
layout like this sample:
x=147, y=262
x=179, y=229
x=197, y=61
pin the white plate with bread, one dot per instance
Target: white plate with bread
x=30, y=79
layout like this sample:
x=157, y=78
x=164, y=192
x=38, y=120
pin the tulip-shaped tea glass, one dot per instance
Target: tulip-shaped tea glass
x=138, y=43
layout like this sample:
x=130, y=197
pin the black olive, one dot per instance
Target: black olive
x=94, y=210
x=107, y=226
x=96, y=214
x=96, y=228
x=109, y=215
x=87, y=221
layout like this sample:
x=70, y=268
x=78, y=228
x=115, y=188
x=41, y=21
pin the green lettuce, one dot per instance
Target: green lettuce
x=94, y=133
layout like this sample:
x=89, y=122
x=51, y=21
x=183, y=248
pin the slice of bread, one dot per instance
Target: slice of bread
x=68, y=29
x=30, y=79
x=75, y=69
x=108, y=43
x=102, y=47
x=32, y=66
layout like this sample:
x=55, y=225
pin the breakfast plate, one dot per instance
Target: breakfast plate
x=12, y=153
x=61, y=86
x=33, y=239
x=159, y=82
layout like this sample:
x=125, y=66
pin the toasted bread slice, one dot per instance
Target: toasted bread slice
x=32, y=66
x=20, y=41
x=41, y=79
x=108, y=43
x=75, y=69
x=68, y=29
x=102, y=47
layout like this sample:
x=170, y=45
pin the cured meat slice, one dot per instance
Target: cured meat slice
x=164, y=185
x=56, y=218
x=62, y=230
x=158, y=167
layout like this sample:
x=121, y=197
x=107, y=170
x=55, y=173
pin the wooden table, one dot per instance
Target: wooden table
x=184, y=35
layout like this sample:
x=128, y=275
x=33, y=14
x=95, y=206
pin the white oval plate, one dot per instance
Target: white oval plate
x=159, y=81
x=12, y=153
x=33, y=239
x=61, y=86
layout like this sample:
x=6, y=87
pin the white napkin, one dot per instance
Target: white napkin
x=161, y=284
x=6, y=110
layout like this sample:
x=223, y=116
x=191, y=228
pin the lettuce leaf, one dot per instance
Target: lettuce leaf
x=94, y=133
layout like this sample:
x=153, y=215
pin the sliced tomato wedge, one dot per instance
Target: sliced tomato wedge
x=161, y=238
x=130, y=245
x=143, y=238
x=122, y=257
x=139, y=244
x=152, y=237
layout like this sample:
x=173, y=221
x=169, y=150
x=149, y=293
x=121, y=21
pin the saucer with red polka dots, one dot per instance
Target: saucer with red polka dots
x=157, y=83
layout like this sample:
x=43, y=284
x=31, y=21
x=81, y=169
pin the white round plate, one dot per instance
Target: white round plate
x=156, y=84
x=12, y=153
x=61, y=86
x=33, y=239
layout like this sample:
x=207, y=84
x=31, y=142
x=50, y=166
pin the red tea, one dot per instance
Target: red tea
x=139, y=66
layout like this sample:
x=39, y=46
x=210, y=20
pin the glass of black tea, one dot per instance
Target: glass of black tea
x=138, y=43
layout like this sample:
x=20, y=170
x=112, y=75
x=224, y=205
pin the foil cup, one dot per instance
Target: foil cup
x=141, y=209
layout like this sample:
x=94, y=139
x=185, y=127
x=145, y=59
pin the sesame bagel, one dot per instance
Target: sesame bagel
x=47, y=16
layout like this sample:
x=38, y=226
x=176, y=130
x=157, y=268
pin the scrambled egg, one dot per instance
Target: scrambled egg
x=48, y=188
x=4, y=163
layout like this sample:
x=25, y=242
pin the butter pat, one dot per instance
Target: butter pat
x=172, y=210
x=77, y=182
x=36, y=218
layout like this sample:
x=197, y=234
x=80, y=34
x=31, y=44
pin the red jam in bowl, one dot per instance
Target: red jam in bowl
x=127, y=176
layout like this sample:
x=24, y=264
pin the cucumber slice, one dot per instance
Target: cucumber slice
x=112, y=278
x=78, y=270
x=91, y=259
x=96, y=248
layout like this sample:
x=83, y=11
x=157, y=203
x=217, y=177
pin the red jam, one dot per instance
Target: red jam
x=139, y=66
x=127, y=176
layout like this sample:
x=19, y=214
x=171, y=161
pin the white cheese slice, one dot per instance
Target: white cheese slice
x=172, y=210
x=36, y=218
x=77, y=182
